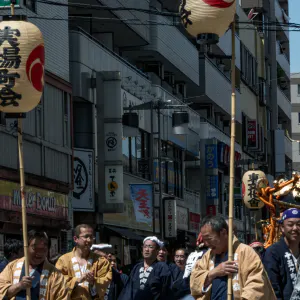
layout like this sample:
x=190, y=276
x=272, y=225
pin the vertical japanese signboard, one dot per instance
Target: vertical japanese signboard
x=170, y=218
x=252, y=134
x=83, y=193
x=114, y=184
x=141, y=196
x=211, y=156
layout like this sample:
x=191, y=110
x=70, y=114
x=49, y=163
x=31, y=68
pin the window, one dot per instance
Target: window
x=298, y=86
x=172, y=169
x=30, y=4
x=136, y=154
x=249, y=69
x=2, y=119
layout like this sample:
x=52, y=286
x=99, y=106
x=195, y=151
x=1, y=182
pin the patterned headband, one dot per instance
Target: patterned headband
x=155, y=240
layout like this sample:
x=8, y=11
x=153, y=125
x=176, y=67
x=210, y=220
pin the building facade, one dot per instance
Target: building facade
x=153, y=60
x=47, y=140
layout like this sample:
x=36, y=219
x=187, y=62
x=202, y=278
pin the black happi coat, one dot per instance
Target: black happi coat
x=281, y=269
x=157, y=286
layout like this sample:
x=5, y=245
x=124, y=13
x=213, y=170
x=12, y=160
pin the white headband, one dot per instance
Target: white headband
x=101, y=247
x=155, y=240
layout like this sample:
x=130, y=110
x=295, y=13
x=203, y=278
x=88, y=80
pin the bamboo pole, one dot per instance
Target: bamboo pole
x=232, y=151
x=23, y=200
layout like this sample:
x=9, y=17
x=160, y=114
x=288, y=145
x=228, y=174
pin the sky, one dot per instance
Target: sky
x=294, y=14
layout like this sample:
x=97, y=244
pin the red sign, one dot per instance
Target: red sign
x=211, y=210
x=194, y=222
x=252, y=134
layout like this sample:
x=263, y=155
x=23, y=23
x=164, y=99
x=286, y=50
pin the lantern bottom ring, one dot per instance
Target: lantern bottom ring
x=207, y=39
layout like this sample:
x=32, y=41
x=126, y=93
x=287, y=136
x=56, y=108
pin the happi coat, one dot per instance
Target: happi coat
x=151, y=284
x=52, y=282
x=101, y=268
x=251, y=281
x=281, y=269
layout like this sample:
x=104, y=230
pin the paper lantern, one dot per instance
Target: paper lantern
x=22, y=59
x=252, y=180
x=210, y=18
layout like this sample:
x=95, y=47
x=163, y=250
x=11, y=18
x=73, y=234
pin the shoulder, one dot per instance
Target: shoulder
x=248, y=251
x=66, y=257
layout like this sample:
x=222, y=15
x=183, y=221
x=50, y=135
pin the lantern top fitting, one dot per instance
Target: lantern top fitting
x=207, y=20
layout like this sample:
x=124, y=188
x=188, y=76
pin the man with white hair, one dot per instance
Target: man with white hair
x=149, y=279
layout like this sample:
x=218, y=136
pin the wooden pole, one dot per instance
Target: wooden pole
x=23, y=200
x=232, y=151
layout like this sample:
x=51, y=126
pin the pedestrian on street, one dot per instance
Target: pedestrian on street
x=149, y=279
x=87, y=274
x=180, y=258
x=13, y=249
x=44, y=280
x=281, y=259
x=209, y=276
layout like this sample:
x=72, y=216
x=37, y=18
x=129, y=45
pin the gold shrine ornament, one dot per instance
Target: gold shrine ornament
x=207, y=16
x=253, y=181
x=22, y=60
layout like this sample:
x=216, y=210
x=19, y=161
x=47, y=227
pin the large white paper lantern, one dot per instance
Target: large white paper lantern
x=207, y=17
x=22, y=59
x=251, y=179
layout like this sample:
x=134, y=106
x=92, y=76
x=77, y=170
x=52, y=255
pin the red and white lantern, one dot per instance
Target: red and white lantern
x=207, y=16
x=22, y=59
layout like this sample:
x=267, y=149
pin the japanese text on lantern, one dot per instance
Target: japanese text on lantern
x=184, y=14
x=9, y=62
x=252, y=190
x=143, y=198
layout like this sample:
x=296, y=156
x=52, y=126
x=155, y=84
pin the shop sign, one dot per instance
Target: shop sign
x=252, y=134
x=211, y=210
x=83, y=193
x=38, y=201
x=6, y=3
x=212, y=187
x=194, y=222
x=114, y=184
x=211, y=156
x=182, y=218
x=170, y=218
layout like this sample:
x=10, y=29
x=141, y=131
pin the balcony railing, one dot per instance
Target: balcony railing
x=284, y=103
x=280, y=16
x=282, y=60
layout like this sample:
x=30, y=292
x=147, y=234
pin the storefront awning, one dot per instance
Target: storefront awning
x=126, y=233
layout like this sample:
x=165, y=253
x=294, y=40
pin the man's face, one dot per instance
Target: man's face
x=85, y=239
x=291, y=229
x=180, y=258
x=162, y=254
x=37, y=251
x=217, y=242
x=150, y=250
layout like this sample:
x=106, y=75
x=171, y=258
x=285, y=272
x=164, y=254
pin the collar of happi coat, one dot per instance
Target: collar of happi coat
x=46, y=271
x=288, y=258
x=235, y=279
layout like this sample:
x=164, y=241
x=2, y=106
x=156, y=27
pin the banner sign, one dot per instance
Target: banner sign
x=170, y=218
x=83, y=193
x=194, y=222
x=211, y=210
x=182, y=218
x=38, y=201
x=141, y=196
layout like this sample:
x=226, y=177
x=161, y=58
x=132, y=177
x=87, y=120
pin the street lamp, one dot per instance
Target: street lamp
x=178, y=119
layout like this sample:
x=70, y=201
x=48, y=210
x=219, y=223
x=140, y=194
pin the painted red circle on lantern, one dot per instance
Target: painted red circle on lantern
x=218, y=3
x=35, y=67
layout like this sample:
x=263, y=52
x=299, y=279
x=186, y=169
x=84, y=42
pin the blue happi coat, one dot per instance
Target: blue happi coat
x=281, y=269
x=153, y=285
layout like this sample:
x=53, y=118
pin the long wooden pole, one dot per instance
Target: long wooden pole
x=23, y=200
x=232, y=151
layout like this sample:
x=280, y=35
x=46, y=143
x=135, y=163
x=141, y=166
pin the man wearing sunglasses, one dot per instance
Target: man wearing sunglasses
x=87, y=274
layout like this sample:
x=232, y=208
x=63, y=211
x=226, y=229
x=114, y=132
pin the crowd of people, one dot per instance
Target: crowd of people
x=91, y=271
